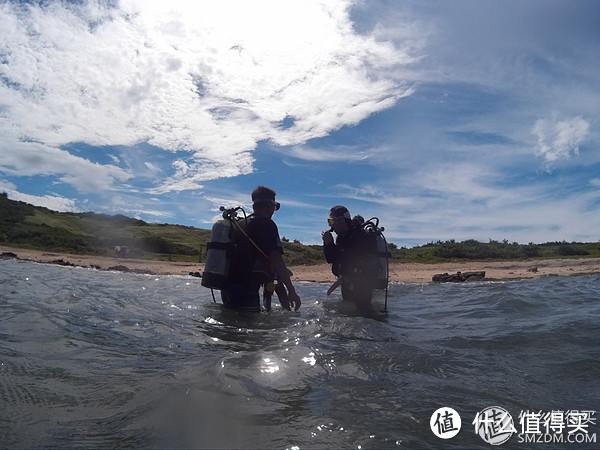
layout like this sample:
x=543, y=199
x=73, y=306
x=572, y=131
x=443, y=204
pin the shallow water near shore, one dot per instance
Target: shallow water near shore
x=107, y=359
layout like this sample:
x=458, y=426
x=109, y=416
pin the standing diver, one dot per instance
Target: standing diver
x=257, y=257
x=352, y=257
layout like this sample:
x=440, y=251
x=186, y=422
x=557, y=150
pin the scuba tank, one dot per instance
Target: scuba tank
x=218, y=252
x=382, y=259
x=382, y=254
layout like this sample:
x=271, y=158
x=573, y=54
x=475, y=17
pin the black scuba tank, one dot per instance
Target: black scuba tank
x=383, y=261
x=382, y=254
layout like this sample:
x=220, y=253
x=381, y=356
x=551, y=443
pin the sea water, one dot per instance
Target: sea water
x=106, y=359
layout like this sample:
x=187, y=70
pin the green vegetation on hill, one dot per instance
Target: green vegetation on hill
x=26, y=226
x=494, y=250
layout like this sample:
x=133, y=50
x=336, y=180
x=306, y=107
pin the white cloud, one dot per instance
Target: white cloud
x=559, y=139
x=153, y=168
x=203, y=82
x=33, y=158
x=338, y=153
x=208, y=78
x=524, y=215
x=460, y=180
x=189, y=176
x=53, y=202
x=373, y=194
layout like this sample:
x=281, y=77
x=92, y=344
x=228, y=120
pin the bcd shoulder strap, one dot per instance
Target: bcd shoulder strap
x=242, y=231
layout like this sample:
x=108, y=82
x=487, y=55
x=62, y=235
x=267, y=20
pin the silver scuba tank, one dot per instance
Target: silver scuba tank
x=216, y=267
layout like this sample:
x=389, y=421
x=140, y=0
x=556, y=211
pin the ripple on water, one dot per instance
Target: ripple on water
x=105, y=359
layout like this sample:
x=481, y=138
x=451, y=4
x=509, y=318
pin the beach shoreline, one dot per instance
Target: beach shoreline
x=405, y=272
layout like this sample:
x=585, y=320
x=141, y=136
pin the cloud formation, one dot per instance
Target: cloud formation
x=53, y=202
x=560, y=139
x=195, y=79
x=448, y=120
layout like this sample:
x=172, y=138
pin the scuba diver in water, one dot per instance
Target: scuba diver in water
x=257, y=259
x=353, y=257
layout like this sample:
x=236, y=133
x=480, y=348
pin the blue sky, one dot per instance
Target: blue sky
x=446, y=119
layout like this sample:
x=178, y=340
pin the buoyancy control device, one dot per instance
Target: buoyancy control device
x=372, y=228
x=218, y=251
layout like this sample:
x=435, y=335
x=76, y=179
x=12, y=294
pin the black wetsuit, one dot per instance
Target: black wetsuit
x=249, y=268
x=353, y=257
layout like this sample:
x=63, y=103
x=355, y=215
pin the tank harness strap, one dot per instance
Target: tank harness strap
x=237, y=225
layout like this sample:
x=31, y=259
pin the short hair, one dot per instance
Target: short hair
x=340, y=211
x=263, y=193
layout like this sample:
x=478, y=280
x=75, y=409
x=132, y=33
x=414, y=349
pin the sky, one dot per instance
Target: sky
x=446, y=119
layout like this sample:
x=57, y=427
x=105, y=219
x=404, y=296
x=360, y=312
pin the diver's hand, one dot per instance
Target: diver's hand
x=327, y=237
x=282, y=295
x=285, y=304
x=294, y=301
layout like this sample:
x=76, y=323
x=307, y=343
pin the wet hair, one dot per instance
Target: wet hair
x=263, y=193
x=262, y=196
x=339, y=211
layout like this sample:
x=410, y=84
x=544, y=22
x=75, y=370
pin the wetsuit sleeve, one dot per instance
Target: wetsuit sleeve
x=333, y=256
x=331, y=252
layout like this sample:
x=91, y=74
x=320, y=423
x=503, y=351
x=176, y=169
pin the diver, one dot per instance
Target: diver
x=352, y=256
x=257, y=258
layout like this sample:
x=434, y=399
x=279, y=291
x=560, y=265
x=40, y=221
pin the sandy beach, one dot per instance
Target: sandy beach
x=399, y=271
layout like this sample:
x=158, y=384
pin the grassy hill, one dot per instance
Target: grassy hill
x=495, y=250
x=26, y=226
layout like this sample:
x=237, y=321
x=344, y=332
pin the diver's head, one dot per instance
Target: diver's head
x=263, y=201
x=339, y=219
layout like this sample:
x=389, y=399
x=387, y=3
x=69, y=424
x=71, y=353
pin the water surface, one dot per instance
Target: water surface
x=107, y=359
